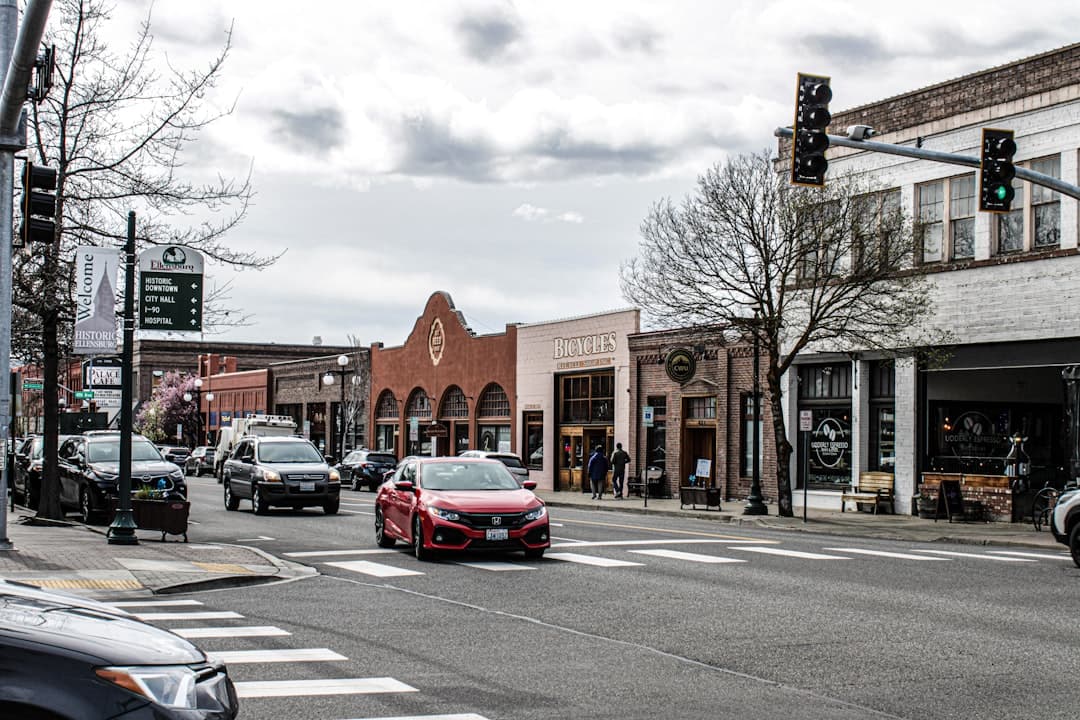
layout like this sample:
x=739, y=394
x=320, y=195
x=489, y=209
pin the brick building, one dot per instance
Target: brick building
x=446, y=389
x=700, y=389
x=1005, y=285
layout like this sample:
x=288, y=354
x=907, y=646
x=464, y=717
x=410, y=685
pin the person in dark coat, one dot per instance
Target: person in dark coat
x=619, y=460
x=598, y=468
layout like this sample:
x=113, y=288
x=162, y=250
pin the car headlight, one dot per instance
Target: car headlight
x=168, y=685
x=443, y=514
x=536, y=513
x=106, y=476
x=177, y=474
x=335, y=476
x=271, y=476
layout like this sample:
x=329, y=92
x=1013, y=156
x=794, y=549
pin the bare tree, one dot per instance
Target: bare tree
x=748, y=253
x=356, y=391
x=115, y=127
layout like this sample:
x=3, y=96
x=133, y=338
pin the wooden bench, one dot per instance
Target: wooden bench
x=873, y=488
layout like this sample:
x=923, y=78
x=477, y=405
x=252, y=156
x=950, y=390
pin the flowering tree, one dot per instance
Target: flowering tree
x=158, y=418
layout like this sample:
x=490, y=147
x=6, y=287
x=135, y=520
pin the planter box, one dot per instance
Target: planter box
x=169, y=517
x=694, y=496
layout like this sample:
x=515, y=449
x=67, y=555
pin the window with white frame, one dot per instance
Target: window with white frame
x=962, y=217
x=931, y=204
x=1034, y=220
x=874, y=217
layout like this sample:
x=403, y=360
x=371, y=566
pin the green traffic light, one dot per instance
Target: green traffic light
x=1000, y=192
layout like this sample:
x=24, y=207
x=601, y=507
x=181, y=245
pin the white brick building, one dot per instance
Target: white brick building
x=1006, y=286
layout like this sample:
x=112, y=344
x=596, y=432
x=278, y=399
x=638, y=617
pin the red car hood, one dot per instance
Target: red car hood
x=501, y=501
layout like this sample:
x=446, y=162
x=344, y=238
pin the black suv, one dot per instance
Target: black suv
x=283, y=471
x=26, y=481
x=366, y=467
x=90, y=472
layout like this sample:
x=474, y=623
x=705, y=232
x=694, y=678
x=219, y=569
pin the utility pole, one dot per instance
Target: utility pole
x=18, y=55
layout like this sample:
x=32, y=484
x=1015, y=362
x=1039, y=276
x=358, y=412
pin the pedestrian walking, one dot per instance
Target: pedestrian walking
x=619, y=460
x=598, y=467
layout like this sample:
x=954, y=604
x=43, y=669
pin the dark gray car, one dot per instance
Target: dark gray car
x=280, y=471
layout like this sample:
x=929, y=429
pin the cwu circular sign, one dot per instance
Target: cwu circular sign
x=680, y=365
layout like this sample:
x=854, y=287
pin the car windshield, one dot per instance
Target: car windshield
x=509, y=461
x=467, y=476
x=104, y=451
x=293, y=452
x=382, y=459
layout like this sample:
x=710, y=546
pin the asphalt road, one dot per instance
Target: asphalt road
x=635, y=617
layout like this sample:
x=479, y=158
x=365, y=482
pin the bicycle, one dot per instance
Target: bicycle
x=1042, y=506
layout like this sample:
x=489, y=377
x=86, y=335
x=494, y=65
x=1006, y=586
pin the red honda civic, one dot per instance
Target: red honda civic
x=456, y=503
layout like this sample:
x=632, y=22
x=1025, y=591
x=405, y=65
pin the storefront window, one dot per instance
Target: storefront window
x=746, y=439
x=384, y=437
x=825, y=390
x=534, y=440
x=454, y=404
x=588, y=398
x=495, y=438
x=701, y=408
x=882, y=416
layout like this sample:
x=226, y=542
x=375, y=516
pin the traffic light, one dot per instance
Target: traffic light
x=996, y=170
x=38, y=204
x=809, y=141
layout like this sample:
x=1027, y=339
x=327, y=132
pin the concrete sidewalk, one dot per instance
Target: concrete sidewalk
x=830, y=522
x=75, y=558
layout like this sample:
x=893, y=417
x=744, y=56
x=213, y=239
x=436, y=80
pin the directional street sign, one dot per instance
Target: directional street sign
x=33, y=384
x=170, y=289
x=84, y=394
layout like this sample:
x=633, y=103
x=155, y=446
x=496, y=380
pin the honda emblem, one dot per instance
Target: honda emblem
x=496, y=520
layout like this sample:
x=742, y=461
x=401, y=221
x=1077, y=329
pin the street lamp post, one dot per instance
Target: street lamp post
x=209, y=413
x=328, y=380
x=194, y=394
x=754, y=503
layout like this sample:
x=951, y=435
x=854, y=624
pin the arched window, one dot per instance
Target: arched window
x=493, y=403
x=387, y=406
x=454, y=404
x=419, y=405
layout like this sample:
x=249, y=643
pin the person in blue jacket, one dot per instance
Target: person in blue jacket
x=598, y=468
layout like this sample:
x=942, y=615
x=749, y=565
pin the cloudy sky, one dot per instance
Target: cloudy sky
x=507, y=152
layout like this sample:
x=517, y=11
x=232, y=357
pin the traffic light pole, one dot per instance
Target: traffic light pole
x=1046, y=181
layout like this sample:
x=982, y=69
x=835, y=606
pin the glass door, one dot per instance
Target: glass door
x=572, y=460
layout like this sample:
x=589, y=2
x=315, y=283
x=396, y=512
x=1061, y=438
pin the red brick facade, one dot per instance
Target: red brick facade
x=722, y=372
x=440, y=354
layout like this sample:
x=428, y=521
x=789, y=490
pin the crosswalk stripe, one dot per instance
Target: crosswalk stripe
x=374, y=569
x=1037, y=556
x=950, y=553
x=154, y=603
x=465, y=716
x=339, y=686
x=231, y=632
x=215, y=615
x=495, y=565
x=239, y=657
x=883, y=553
x=328, y=553
x=692, y=557
x=790, y=553
x=672, y=541
x=590, y=560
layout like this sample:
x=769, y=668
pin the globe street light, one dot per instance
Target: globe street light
x=328, y=380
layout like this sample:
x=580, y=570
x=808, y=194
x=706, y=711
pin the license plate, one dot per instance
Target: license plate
x=497, y=534
x=307, y=487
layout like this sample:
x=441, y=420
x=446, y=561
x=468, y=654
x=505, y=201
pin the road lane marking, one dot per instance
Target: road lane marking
x=590, y=560
x=494, y=565
x=977, y=556
x=374, y=569
x=255, y=539
x=696, y=533
x=883, y=553
x=215, y=615
x=155, y=603
x=341, y=686
x=1037, y=556
x=239, y=657
x=659, y=541
x=465, y=716
x=231, y=632
x=692, y=557
x=789, y=553
x=366, y=551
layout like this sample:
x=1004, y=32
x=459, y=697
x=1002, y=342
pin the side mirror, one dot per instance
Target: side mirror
x=404, y=485
x=529, y=484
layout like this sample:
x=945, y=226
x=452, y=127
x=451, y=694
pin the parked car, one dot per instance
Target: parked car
x=200, y=460
x=89, y=469
x=1065, y=524
x=175, y=453
x=282, y=471
x=447, y=503
x=366, y=467
x=26, y=480
x=510, y=460
x=68, y=657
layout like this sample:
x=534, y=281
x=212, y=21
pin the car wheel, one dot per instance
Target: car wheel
x=1074, y=543
x=330, y=507
x=534, y=553
x=257, y=503
x=421, y=552
x=231, y=501
x=381, y=537
x=373, y=486
x=86, y=506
